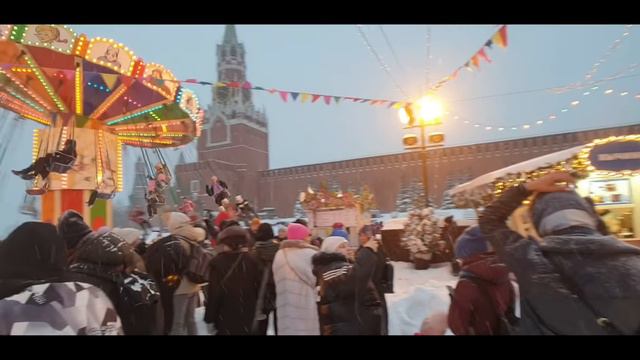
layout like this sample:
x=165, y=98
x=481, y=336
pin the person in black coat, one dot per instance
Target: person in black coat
x=573, y=280
x=108, y=262
x=349, y=303
x=166, y=260
x=265, y=250
x=234, y=284
x=371, y=258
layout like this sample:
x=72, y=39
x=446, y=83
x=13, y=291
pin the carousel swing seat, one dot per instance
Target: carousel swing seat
x=61, y=162
x=36, y=191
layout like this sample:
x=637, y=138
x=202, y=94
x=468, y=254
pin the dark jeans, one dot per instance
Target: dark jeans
x=39, y=167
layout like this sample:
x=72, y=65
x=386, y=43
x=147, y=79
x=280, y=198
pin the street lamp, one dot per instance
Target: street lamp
x=427, y=111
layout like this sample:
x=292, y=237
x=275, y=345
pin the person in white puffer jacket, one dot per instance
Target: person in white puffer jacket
x=296, y=294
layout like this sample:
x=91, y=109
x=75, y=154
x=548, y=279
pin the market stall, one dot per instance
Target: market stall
x=609, y=173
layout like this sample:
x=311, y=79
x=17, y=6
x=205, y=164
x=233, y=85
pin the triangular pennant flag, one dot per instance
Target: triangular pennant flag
x=304, y=97
x=258, y=88
x=365, y=100
x=337, y=99
x=315, y=97
x=373, y=102
x=503, y=34
x=466, y=65
x=192, y=81
x=455, y=74
x=398, y=105
x=233, y=84
x=221, y=84
x=391, y=104
x=272, y=90
x=355, y=99
x=500, y=37
x=382, y=102
x=246, y=85
x=483, y=55
x=110, y=80
x=204, y=83
x=475, y=60
x=294, y=95
x=489, y=43
x=283, y=95
x=327, y=99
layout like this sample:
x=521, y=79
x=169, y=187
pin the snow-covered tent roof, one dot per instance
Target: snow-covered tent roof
x=524, y=166
x=464, y=217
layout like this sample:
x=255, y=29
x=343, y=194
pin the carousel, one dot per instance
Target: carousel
x=609, y=174
x=92, y=97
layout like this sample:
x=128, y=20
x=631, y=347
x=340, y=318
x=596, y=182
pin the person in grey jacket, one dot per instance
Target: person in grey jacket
x=573, y=280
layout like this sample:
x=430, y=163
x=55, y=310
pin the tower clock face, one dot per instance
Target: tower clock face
x=222, y=95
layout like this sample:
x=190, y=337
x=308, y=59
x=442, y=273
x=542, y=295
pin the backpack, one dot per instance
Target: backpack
x=139, y=304
x=507, y=320
x=197, y=269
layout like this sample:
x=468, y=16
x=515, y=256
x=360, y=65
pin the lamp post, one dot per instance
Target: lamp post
x=427, y=111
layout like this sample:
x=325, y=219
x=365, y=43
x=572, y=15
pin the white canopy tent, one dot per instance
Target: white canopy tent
x=525, y=166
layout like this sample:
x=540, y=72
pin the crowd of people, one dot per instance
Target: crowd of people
x=568, y=275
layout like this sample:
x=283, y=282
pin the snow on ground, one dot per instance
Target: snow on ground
x=417, y=294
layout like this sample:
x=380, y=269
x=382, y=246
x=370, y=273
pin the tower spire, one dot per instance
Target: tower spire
x=230, y=37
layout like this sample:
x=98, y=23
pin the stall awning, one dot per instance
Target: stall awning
x=524, y=166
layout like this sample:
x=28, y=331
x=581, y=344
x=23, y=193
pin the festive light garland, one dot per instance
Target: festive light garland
x=549, y=117
x=131, y=116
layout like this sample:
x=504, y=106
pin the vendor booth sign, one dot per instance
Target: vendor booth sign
x=616, y=156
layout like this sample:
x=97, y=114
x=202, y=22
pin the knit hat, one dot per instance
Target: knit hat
x=297, y=232
x=340, y=233
x=338, y=225
x=32, y=251
x=471, y=242
x=330, y=244
x=559, y=210
x=234, y=237
x=180, y=224
x=72, y=228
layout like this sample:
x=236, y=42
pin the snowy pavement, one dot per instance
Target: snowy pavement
x=418, y=293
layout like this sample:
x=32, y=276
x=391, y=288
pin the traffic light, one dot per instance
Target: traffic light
x=436, y=138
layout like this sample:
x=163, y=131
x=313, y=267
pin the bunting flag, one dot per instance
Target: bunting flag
x=483, y=55
x=500, y=37
x=475, y=61
x=111, y=80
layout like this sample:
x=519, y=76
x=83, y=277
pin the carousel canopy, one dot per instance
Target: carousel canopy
x=50, y=74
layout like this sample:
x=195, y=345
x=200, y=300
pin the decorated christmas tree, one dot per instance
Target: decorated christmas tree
x=421, y=233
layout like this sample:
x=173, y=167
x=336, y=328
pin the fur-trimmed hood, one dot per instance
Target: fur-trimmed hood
x=297, y=244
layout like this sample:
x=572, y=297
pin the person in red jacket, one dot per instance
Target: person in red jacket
x=484, y=294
